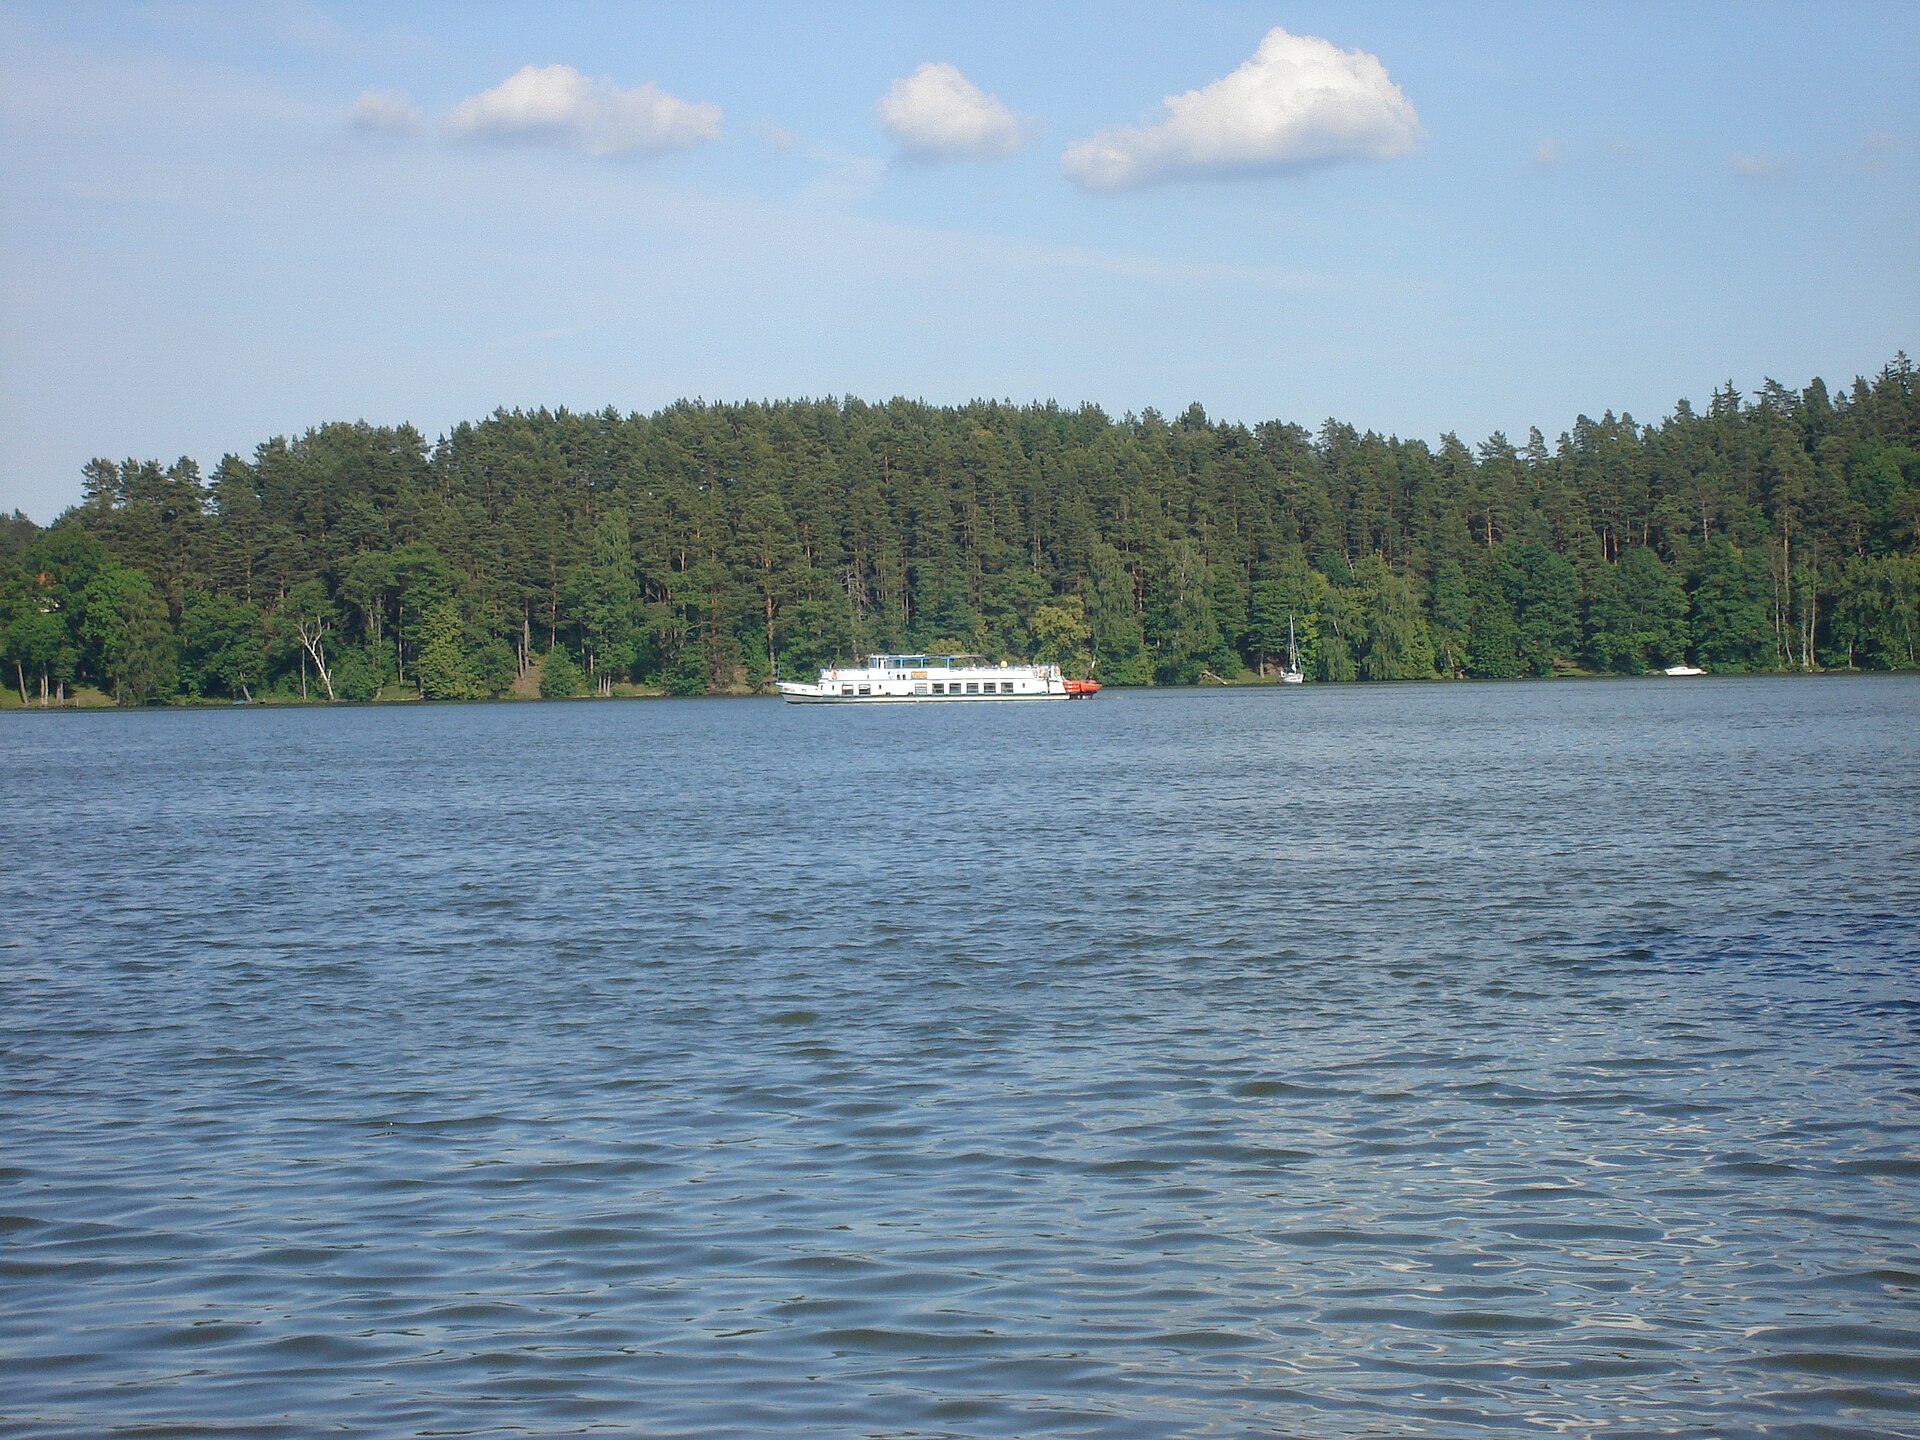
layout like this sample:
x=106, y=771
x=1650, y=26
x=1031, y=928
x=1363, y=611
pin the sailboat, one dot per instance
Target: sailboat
x=1292, y=675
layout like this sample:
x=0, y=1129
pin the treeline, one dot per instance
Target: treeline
x=698, y=548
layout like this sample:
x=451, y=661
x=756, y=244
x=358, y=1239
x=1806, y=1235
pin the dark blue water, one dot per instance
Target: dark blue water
x=1367, y=1061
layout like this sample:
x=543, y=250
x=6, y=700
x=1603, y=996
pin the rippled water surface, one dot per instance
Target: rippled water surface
x=1364, y=1061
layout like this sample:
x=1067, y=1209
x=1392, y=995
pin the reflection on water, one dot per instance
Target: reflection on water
x=1337, y=1062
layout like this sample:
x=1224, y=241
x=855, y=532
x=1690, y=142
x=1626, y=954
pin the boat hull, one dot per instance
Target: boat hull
x=815, y=695
x=922, y=679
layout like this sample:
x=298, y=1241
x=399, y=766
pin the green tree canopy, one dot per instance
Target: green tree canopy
x=696, y=546
x=125, y=619
x=223, y=645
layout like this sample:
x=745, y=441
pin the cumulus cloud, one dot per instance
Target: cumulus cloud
x=936, y=113
x=1753, y=167
x=1299, y=102
x=378, y=113
x=557, y=105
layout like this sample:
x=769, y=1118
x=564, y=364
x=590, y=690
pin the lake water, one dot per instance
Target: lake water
x=1532, y=1059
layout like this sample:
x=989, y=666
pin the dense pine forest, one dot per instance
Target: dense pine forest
x=696, y=549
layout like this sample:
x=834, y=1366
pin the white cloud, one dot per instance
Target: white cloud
x=936, y=113
x=379, y=113
x=1299, y=102
x=1753, y=167
x=1547, y=152
x=557, y=105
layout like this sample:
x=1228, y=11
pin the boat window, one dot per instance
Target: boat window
x=1006, y=687
x=920, y=689
x=846, y=689
x=973, y=687
x=866, y=689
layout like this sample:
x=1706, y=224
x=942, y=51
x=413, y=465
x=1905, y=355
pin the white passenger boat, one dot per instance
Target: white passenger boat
x=890, y=679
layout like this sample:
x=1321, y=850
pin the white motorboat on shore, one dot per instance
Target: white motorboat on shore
x=894, y=679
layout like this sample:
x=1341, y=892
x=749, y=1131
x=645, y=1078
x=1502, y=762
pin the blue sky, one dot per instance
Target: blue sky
x=224, y=222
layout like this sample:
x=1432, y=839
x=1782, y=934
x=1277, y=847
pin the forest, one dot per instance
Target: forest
x=707, y=547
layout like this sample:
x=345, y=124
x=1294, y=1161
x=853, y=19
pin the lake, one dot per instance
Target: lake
x=1514, y=1059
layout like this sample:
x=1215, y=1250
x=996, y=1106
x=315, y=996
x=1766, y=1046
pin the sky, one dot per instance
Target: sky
x=225, y=222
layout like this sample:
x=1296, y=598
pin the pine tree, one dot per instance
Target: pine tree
x=441, y=664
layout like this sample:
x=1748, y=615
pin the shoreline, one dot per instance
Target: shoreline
x=95, y=703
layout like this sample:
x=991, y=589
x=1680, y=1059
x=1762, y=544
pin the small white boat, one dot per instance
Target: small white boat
x=1683, y=670
x=1292, y=675
x=894, y=679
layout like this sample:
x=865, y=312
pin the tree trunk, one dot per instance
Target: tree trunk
x=1813, y=606
x=1806, y=630
x=21, y=675
x=319, y=654
x=772, y=665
